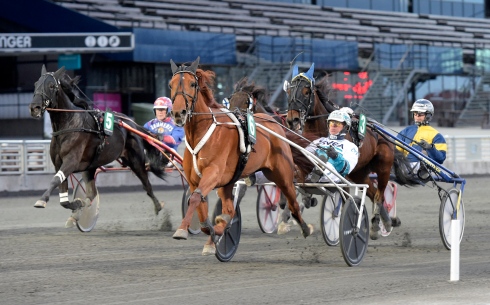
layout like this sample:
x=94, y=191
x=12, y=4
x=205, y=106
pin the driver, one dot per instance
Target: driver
x=163, y=125
x=421, y=136
x=335, y=149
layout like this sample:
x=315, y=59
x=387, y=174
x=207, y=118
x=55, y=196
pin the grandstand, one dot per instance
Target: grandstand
x=247, y=19
x=401, y=52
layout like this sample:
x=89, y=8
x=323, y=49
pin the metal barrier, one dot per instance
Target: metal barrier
x=25, y=157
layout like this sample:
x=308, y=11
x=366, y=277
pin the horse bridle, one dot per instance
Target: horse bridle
x=47, y=101
x=184, y=94
x=250, y=100
x=305, y=103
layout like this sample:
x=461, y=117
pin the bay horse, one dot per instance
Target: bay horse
x=308, y=108
x=248, y=95
x=79, y=143
x=213, y=155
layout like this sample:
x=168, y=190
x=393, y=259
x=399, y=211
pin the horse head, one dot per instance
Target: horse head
x=300, y=97
x=248, y=96
x=184, y=89
x=46, y=90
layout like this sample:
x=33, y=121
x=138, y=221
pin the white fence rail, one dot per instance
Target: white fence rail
x=466, y=155
x=25, y=157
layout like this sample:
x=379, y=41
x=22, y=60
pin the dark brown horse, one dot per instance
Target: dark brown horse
x=214, y=148
x=79, y=143
x=308, y=109
x=248, y=95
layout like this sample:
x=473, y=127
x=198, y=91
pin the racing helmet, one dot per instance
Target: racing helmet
x=162, y=103
x=340, y=116
x=423, y=105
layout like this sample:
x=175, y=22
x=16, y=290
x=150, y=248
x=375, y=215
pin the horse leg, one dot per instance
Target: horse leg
x=372, y=193
x=90, y=193
x=287, y=187
x=57, y=179
x=227, y=209
x=206, y=184
x=382, y=213
x=284, y=227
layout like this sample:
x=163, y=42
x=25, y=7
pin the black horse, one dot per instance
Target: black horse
x=80, y=144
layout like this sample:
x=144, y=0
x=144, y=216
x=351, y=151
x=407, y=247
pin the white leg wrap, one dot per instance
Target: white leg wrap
x=60, y=175
x=64, y=197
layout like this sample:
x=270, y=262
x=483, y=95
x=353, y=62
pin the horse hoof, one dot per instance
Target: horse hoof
x=388, y=226
x=374, y=235
x=395, y=222
x=312, y=229
x=70, y=222
x=159, y=207
x=209, y=250
x=222, y=218
x=283, y=228
x=40, y=204
x=181, y=234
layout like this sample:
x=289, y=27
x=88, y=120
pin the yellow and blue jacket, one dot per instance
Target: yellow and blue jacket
x=411, y=135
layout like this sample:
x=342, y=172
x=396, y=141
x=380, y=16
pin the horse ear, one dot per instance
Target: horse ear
x=60, y=72
x=75, y=80
x=194, y=65
x=43, y=70
x=295, y=71
x=173, y=66
x=310, y=71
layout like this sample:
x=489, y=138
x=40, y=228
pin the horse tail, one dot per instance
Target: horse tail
x=302, y=163
x=156, y=159
x=403, y=170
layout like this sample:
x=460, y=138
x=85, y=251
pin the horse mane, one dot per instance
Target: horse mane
x=323, y=91
x=70, y=88
x=257, y=91
x=206, y=80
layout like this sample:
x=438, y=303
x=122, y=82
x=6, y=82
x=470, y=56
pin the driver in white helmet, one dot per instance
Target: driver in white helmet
x=421, y=136
x=335, y=149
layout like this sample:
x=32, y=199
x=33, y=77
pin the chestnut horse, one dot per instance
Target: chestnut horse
x=214, y=148
x=308, y=109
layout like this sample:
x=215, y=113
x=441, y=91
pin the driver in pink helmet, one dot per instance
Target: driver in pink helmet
x=163, y=125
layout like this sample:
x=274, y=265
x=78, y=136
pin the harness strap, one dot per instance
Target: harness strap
x=57, y=133
x=243, y=149
x=201, y=143
x=208, y=134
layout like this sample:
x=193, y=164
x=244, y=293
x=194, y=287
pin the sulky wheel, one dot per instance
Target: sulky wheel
x=87, y=215
x=330, y=218
x=227, y=245
x=353, y=242
x=268, y=207
x=447, y=214
x=195, y=227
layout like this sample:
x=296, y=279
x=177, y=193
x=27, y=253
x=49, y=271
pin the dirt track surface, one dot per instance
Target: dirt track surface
x=131, y=258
